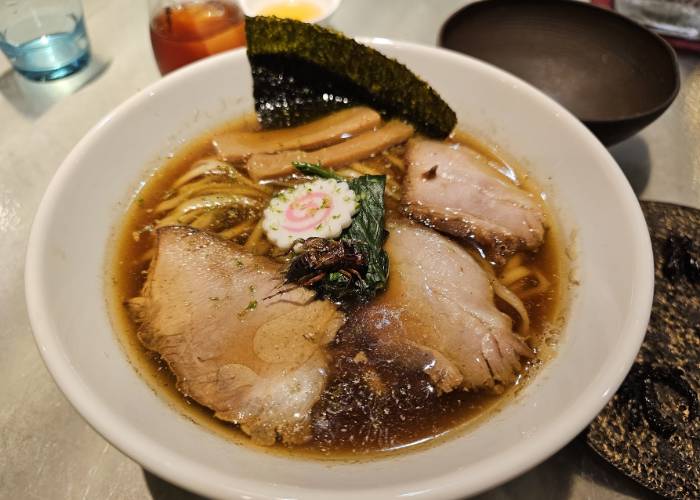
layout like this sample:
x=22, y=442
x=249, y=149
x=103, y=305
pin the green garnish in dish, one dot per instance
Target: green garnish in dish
x=356, y=267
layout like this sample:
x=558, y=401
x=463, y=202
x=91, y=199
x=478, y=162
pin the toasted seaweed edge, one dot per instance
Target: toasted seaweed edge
x=395, y=88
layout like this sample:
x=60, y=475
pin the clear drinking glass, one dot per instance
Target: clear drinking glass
x=678, y=18
x=44, y=39
x=186, y=30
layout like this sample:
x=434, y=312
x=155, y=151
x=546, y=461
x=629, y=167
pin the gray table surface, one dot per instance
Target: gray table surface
x=46, y=449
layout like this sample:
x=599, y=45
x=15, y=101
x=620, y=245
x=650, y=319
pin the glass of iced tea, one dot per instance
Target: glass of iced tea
x=184, y=31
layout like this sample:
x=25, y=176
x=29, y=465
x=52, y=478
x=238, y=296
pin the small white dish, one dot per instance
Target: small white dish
x=65, y=288
x=326, y=7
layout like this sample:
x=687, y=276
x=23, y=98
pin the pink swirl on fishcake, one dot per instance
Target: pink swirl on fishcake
x=308, y=211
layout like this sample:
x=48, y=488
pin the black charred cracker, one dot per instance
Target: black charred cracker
x=650, y=429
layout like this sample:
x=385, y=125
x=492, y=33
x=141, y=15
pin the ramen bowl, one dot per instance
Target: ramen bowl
x=608, y=311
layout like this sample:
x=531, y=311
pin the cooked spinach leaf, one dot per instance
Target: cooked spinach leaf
x=367, y=229
x=315, y=169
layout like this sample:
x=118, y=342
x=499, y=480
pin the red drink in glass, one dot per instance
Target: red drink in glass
x=187, y=31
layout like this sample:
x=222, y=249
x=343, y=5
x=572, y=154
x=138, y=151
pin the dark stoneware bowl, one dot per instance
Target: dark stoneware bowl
x=612, y=73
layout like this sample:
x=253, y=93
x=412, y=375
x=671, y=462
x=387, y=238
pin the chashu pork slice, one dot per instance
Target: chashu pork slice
x=453, y=189
x=256, y=362
x=438, y=314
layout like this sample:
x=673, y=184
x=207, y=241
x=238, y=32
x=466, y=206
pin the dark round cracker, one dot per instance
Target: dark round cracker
x=650, y=430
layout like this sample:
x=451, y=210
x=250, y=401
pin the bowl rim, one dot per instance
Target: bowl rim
x=577, y=4
x=190, y=475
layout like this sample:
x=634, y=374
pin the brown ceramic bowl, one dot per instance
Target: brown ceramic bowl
x=612, y=73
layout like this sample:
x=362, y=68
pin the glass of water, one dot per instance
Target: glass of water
x=679, y=18
x=44, y=39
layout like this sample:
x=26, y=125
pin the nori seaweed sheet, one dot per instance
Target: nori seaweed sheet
x=289, y=91
x=650, y=430
x=302, y=71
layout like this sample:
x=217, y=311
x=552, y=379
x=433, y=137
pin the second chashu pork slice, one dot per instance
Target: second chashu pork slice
x=438, y=314
x=259, y=363
x=454, y=189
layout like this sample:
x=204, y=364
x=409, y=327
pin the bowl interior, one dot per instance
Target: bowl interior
x=598, y=64
x=609, y=310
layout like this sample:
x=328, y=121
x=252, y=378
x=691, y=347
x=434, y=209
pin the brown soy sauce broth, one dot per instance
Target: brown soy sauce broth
x=371, y=405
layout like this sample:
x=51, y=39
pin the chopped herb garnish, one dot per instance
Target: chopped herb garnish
x=250, y=307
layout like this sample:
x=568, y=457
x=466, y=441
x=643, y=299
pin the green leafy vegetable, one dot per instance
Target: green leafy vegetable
x=316, y=170
x=250, y=307
x=301, y=71
x=365, y=235
x=367, y=229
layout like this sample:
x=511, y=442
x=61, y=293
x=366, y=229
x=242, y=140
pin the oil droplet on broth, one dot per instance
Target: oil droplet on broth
x=292, y=9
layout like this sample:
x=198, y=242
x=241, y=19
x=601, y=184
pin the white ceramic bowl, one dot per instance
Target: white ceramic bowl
x=607, y=320
x=325, y=7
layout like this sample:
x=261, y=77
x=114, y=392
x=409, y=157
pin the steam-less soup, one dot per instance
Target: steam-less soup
x=241, y=298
